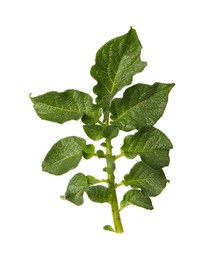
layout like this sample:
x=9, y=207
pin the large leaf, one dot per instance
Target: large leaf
x=116, y=63
x=151, y=144
x=76, y=188
x=136, y=198
x=99, y=194
x=64, y=155
x=142, y=105
x=150, y=181
x=71, y=104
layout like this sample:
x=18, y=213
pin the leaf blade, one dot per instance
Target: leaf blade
x=98, y=193
x=76, y=188
x=108, y=228
x=110, y=132
x=136, y=198
x=141, y=106
x=116, y=63
x=151, y=144
x=88, y=151
x=60, y=107
x=150, y=181
x=64, y=155
x=94, y=132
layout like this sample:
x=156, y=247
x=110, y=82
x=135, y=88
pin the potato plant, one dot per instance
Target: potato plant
x=139, y=108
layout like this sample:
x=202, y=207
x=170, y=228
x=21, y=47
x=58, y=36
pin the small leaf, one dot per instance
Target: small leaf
x=98, y=193
x=117, y=62
x=136, y=198
x=142, y=105
x=109, y=228
x=76, y=188
x=92, y=180
x=103, y=144
x=94, y=132
x=64, y=155
x=105, y=169
x=151, y=144
x=150, y=181
x=92, y=117
x=71, y=104
x=110, y=132
x=100, y=154
x=88, y=151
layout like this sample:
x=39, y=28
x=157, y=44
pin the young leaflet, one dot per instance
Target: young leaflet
x=139, y=109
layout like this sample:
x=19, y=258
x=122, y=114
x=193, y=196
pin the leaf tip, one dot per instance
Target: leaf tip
x=145, y=64
x=30, y=96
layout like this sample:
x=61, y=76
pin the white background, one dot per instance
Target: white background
x=51, y=45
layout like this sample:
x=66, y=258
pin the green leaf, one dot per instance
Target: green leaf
x=136, y=198
x=98, y=193
x=110, y=132
x=100, y=154
x=151, y=144
x=94, y=132
x=103, y=144
x=92, y=180
x=150, y=181
x=116, y=63
x=109, y=228
x=76, y=188
x=142, y=105
x=88, y=151
x=64, y=155
x=71, y=104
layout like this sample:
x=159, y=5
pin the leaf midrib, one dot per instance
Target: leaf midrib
x=58, y=108
x=65, y=158
x=117, y=72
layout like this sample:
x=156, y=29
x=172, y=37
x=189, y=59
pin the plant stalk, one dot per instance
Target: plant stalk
x=111, y=182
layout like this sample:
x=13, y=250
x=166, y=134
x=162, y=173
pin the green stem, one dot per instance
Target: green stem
x=112, y=186
x=118, y=184
x=118, y=156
